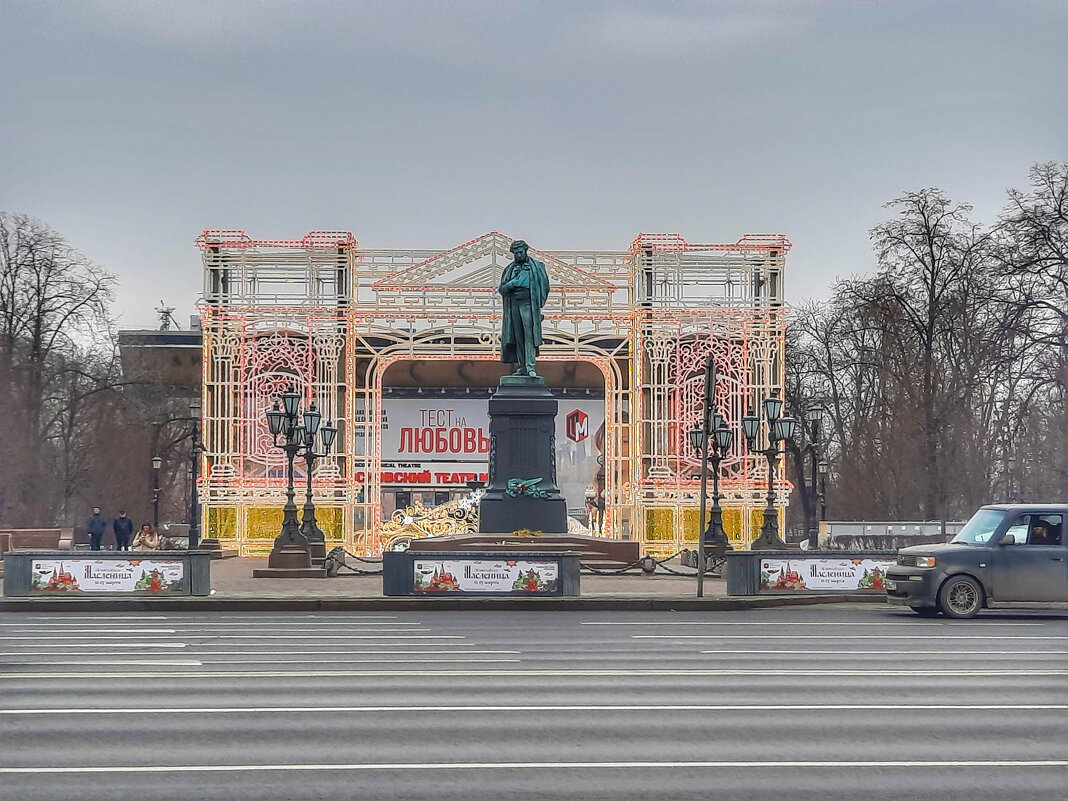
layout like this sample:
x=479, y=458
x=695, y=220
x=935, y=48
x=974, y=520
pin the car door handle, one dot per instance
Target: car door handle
x=1056, y=559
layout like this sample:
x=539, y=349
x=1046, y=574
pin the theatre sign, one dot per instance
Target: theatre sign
x=444, y=443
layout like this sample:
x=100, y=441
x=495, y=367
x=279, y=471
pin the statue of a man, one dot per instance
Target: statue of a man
x=524, y=289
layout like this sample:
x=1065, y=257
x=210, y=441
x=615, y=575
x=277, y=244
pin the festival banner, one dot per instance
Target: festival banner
x=822, y=575
x=442, y=443
x=108, y=575
x=504, y=576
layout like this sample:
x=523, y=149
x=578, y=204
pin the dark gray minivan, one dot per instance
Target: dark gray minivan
x=1010, y=552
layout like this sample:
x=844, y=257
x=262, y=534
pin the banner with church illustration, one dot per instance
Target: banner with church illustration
x=108, y=576
x=812, y=574
x=497, y=576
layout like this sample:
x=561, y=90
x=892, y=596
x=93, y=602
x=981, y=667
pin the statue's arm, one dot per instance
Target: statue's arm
x=506, y=284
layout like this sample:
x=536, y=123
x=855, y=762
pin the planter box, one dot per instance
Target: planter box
x=449, y=574
x=807, y=572
x=63, y=574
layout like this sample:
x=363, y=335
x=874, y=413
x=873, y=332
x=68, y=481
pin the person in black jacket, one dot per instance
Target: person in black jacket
x=123, y=531
x=97, y=525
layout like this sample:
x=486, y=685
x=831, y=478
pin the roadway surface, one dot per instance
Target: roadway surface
x=837, y=702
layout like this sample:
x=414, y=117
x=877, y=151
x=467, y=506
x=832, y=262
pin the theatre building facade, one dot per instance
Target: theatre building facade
x=400, y=349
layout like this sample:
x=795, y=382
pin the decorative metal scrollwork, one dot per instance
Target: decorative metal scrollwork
x=417, y=521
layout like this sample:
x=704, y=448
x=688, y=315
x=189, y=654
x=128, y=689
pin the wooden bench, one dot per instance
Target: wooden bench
x=39, y=539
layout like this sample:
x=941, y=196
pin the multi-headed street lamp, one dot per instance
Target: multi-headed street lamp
x=779, y=428
x=721, y=440
x=822, y=468
x=295, y=544
x=813, y=426
x=309, y=527
x=713, y=430
x=157, y=463
x=194, y=473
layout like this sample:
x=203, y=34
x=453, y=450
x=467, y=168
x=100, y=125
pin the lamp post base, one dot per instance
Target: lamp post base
x=290, y=561
x=317, y=551
x=311, y=532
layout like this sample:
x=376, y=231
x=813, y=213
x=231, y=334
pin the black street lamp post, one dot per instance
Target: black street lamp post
x=822, y=467
x=194, y=473
x=292, y=546
x=309, y=527
x=721, y=440
x=779, y=428
x=813, y=425
x=157, y=463
x=713, y=431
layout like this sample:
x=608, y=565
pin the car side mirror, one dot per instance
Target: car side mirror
x=1008, y=539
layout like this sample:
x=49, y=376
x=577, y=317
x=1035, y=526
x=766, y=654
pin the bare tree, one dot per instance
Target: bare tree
x=926, y=370
x=1032, y=237
x=53, y=318
x=930, y=295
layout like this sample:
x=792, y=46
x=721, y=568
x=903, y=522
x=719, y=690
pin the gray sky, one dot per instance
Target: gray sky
x=131, y=126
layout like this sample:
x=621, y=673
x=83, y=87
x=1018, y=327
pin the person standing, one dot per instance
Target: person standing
x=97, y=525
x=147, y=539
x=123, y=527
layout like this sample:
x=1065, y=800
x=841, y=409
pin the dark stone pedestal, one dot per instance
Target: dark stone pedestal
x=522, y=449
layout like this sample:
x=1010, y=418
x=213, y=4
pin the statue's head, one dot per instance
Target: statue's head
x=519, y=250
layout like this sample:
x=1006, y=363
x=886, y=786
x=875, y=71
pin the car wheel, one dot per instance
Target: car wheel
x=925, y=611
x=960, y=597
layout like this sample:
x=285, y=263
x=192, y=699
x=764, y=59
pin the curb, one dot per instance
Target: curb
x=405, y=604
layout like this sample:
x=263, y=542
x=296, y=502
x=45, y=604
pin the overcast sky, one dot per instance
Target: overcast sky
x=131, y=126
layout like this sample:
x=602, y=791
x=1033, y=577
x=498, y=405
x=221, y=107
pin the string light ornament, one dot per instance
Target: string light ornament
x=328, y=317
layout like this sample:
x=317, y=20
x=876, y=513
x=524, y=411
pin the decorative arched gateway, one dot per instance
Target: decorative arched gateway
x=400, y=347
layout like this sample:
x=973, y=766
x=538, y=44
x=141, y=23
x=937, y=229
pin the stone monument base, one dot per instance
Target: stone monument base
x=505, y=514
x=522, y=491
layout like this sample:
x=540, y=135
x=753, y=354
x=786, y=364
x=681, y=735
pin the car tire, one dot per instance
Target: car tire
x=925, y=611
x=960, y=597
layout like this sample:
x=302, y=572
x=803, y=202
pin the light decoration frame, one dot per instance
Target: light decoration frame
x=331, y=317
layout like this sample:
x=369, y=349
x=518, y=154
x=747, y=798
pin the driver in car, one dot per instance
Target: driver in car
x=1041, y=535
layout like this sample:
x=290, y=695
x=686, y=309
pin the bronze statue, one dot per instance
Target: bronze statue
x=524, y=289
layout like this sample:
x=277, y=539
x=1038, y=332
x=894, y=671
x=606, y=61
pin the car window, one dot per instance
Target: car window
x=980, y=528
x=1045, y=530
x=1019, y=530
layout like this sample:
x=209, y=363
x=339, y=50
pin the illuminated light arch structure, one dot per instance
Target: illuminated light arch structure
x=329, y=318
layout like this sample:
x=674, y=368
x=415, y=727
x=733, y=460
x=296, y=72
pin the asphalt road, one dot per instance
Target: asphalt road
x=836, y=702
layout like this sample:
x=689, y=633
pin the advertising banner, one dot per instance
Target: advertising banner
x=504, y=576
x=823, y=575
x=108, y=575
x=438, y=443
